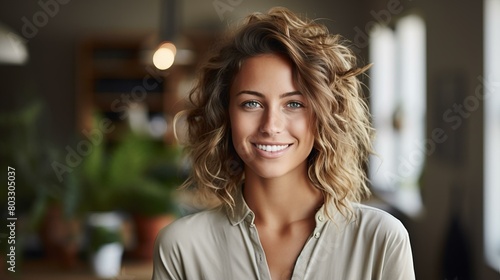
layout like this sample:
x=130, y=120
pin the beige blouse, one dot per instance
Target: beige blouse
x=218, y=245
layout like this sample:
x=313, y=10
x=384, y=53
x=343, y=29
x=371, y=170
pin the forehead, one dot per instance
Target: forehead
x=267, y=73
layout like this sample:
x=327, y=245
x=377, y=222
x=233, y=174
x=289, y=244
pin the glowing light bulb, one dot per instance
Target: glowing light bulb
x=164, y=56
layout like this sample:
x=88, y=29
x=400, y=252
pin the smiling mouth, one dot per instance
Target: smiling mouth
x=272, y=148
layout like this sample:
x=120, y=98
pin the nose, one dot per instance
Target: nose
x=272, y=122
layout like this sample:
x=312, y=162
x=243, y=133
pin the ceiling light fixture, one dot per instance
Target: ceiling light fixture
x=13, y=49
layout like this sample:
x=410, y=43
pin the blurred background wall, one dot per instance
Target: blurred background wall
x=451, y=189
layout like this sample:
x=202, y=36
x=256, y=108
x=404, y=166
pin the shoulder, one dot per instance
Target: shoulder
x=192, y=227
x=374, y=221
x=188, y=238
x=183, y=237
x=377, y=241
x=387, y=239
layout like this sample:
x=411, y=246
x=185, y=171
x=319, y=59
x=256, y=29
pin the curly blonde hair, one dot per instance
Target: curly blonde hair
x=325, y=72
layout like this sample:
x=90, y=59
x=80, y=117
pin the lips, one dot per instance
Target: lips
x=272, y=148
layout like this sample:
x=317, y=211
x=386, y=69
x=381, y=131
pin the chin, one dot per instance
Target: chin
x=268, y=172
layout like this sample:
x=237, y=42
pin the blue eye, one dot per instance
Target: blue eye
x=295, y=104
x=251, y=104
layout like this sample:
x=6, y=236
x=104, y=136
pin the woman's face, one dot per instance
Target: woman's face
x=270, y=119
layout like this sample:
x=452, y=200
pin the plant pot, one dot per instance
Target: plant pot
x=146, y=230
x=106, y=243
x=107, y=260
x=60, y=237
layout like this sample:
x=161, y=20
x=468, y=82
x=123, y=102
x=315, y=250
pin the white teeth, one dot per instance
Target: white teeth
x=272, y=148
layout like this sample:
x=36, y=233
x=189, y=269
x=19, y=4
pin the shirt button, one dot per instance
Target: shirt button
x=320, y=218
x=316, y=235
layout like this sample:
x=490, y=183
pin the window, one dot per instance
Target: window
x=398, y=104
x=492, y=132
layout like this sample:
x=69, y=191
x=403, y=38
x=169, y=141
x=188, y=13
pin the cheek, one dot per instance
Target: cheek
x=304, y=128
x=237, y=132
x=241, y=130
x=309, y=137
x=240, y=145
x=236, y=138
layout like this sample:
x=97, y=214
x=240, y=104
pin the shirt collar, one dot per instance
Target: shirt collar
x=241, y=210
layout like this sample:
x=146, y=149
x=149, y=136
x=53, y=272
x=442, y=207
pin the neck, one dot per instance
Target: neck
x=281, y=201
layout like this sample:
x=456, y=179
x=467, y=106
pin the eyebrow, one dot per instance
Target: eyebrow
x=261, y=95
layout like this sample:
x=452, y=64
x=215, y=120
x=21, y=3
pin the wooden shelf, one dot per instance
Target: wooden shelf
x=111, y=66
x=111, y=74
x=105, y=101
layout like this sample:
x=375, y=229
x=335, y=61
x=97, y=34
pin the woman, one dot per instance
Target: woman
x=278, y=131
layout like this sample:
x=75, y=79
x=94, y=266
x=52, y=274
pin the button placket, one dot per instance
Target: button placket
x=258, y=250
x=320, y=221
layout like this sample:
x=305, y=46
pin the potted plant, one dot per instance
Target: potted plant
x=106, y=244
x=137, y=175
x=151, y=198
x=101, y=203
x=47, y=203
